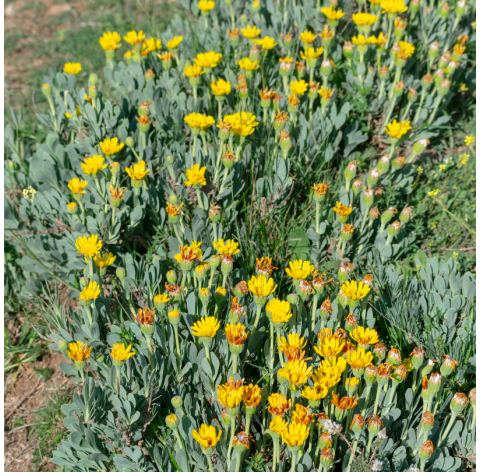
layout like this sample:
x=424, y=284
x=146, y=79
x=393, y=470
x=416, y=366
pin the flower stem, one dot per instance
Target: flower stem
x=376, y=402
x=314, y=309
x=435, y=109
x=176, y=331
x=258, y=316
x=232, y=433
x=448, y=428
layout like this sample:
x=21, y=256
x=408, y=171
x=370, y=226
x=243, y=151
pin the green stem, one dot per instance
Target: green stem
x=366, y=401
x=177, y=346
x=448, y=428
x=353, y=453
x=199, y=199
x=272, y=352
x=224, y=178
x=293, y=462
x=376, y=402
x=232, y=434
x=421, y=102
x=258, y=317
x=235, y=358
x=177, y=436
x=209, y=461
x=193, y=145
x=314, y=309
x=435, y=109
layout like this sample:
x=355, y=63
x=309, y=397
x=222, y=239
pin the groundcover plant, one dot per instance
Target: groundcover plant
x=171, y=196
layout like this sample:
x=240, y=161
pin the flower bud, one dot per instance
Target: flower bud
x=352, y=384
x=384, y=73
x=62, y=345
x=434, y=50
x=394, y=228
x=434, y=383
x=357, y=424
x=204, y=296
x=219, y=295
x=172, y=421
x=374, y=425
x=373, y=213
x=243, y=19
x=341, y=299
x=399, y=88
x=46, y=89
x=460, y=7
x=240, y=290
x=412, y=95
x=427, y=421
x=120, y=273
x=350, y=170
x=427, y=81
x=149, y=74
x=293, y=299
x=174, y=317
x=326, y=67
x=426, y=450
x=414, y=6
x=214, y=213
x=356, y=186
x=444, y=87
x=346, y=232
x=327, y=457
x=285, y=140
x=444, y=11
x=351, y=323
x=458, y=402
x=421, y=145
x=215, y=262
x=72, y=208
x=370, y=374
x=379, y=352
x=448, y=366
x=348, y=50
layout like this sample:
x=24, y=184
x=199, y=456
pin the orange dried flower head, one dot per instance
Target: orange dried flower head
x=345, y=403
x=145, y=317
x=302, y=415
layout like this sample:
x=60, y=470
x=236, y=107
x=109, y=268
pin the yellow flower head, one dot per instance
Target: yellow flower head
x=406, y=50
x=195, y=175
x=104, y=261
x=91, y=292
x=330, y=368
x=120, y=353
x=311, y=53
x=230, y=394
x=295, y=434
x=299, y=87
x=332, y=14
x=251, y=32
x=193, y=71
x=206, y=327
x=252, y=395
x=355, y=291
x=236, y=334
x=326, y=93
x=111, y=146
x=393, y=7
x=72, y=68
x=247, y=65
x=174, y=42
x=468, y=140
x=189, y=253
x=220, y=87
x=364, y=19
x=296, y=373
x=267, y=43
x=88, y=247
x=174, y=210
x=110, y=41
x=365, y=336
x=134, y=38
x=344, y=403
x=359, y=359
x=380, y=40
x=278, y=404
x=199, y=121
x=150, y=45
x=278, y=424
x=161, y=299
x=279, y=310
x=77, y=186
x=78, y=351
x=226, y=247
x=293, y=341
x=433, y=193
x=307, y=37
x=299, y=269
x=93, y=165
x=330, y=347
x=397, y=129
x=137, y=171
x=261, y=286
x=206, y=5
x=361, y=40
x=242, y=123
x=208, y=59
x=342, y=210
x=315, y=393
x=301, y=414
x=206, y=436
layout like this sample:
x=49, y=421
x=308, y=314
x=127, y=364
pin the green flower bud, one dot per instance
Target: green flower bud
x=120, y=272
x=62, y=345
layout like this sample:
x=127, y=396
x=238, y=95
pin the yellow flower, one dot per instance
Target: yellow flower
x=365, y=336
x=364, y=19
x=342, y=210
x=442, y=166
x=189, y=253
x=326, y=93
x=206, y=327
x=193, y=71
x=330, y=347
x=330, y=368
x=93, y=165
x=72, y=68
x=150, y=45
x=278, y=424
x=206, y=5
x=206, y=436
x=247, y=65
x=267, y=43
x=397, y=129
x=78, y=351
x=355, y=291
x=111, y=146
x=299, y=269
x=361, y=40
x=261, y=287
x=295, y=434
x=406, y=50
x=137, y=171
x=296, y=373
x=161, y=299
x=250, y=32
x=359, y=359
x=230, y=394
x=298, y=87
x=351, y=382
x=408, y=364
x=279, y=310
x=88, y=247
x=195, y=175
x=173, y=314
x=463, y=87
x=311, y=53
x=174, y=42
x=252, y=395
x=278, y=404
x=332, y=14
x=316, y=393
x=307, y=37
x=77, y=186
x=226, y=247
x=393, y=7
x=468, y=140
x=110, y=41
x=120, y=353
x=208, y=59
x=433, y=193
x=236, y=334
x=133, y=38
x=220, y=87
x=104, y=261
x=380, y=40
x=242, y=124
x=199, y=121
x=91, y=292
